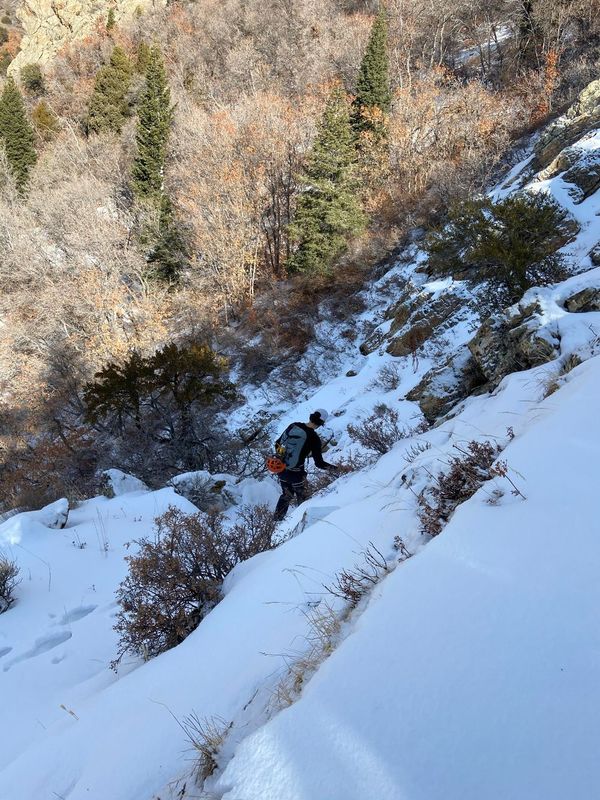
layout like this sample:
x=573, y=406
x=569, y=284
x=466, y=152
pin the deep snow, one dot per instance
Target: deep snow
x=471, y=672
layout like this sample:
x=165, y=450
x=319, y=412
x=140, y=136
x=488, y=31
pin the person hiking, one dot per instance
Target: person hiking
x=295, y=445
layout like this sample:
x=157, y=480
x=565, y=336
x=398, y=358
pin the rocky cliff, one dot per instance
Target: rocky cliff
x=50, y=24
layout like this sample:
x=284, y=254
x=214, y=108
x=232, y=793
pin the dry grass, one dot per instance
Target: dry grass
x=324, y=624
x=206, y=736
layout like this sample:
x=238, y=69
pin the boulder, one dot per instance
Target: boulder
x=443, y=387
x=584, y=300
x=594, y=255
x=207, y=492
x=584, y=174
x=115, y=483
x=511, y=341
x=54, y=515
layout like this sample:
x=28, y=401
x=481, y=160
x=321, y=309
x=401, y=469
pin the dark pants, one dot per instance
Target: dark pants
x=293, y=484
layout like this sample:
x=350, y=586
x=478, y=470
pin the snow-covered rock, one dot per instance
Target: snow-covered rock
x=54, y=515
x=117, y=483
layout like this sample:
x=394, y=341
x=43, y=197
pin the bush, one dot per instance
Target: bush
x=9, y=580
x=32, y=79
x=45, y=121
x=467, y=473
x=6, y=20
x=176, y=579
x=380, y=431
x=511, y=244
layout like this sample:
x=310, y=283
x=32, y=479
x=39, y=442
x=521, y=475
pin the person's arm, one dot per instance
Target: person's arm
x=317, y=454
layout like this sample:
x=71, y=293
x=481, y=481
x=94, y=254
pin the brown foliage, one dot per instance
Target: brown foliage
x=466, y=473
x=175, y=579
x=380, y=430
x=9, y=580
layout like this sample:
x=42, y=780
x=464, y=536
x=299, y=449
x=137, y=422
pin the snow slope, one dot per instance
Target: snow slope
x=470, y=672
x=474, y=672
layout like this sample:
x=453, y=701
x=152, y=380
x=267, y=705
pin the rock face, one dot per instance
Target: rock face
x=50, y=24
x=442, y=388
x=580, y=168
x=582, y=116
x=510, y=342
x=585, y=300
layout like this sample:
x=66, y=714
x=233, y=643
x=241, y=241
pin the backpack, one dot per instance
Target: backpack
x=290, y=444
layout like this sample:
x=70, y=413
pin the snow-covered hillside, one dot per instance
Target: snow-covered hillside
x=469, y=672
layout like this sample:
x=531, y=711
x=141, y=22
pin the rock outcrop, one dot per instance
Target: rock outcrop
x=443, y=387
x=585, y=300
x=581, y=117
x=508, y=342
x=50, y=24
x=512, y=341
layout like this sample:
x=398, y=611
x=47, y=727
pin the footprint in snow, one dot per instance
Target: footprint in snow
x=76, y=614
x=4, y=651
x=41, y=645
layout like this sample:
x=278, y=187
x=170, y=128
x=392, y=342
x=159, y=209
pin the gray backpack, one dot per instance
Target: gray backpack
x=290, y=446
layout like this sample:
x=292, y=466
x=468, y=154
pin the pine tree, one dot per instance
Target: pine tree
x=110, y=19
x=154, y=120
x=108, y=107
x=373, y=95
x=143, y=57
x=328, y=211
x=170, y=255
x=17, y=134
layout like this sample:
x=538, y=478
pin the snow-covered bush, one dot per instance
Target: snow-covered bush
x=9, y=580
x=176, y=578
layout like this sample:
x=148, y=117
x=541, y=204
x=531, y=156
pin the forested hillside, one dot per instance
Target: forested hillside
x=182, y=185
x=370, y=226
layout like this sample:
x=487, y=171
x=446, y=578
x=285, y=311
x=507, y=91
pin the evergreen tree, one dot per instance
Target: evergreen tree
x=170, y=254
x=373, y=95
x=110, y=20
x=108, y=107
x=512, y=244
x=328, y=211
x=143, y=57
x=16, y=133
x=154, y=120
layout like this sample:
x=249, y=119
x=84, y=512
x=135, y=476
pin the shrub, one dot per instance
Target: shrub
x=3, y=35
x=45, y=121
x=379, y=431
x=6, y=20
x=9, y=580
x=467, y=472
x=353, y=584
x=388, y=378
x=176, y=578
x=32, y=79
x=511, y=244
